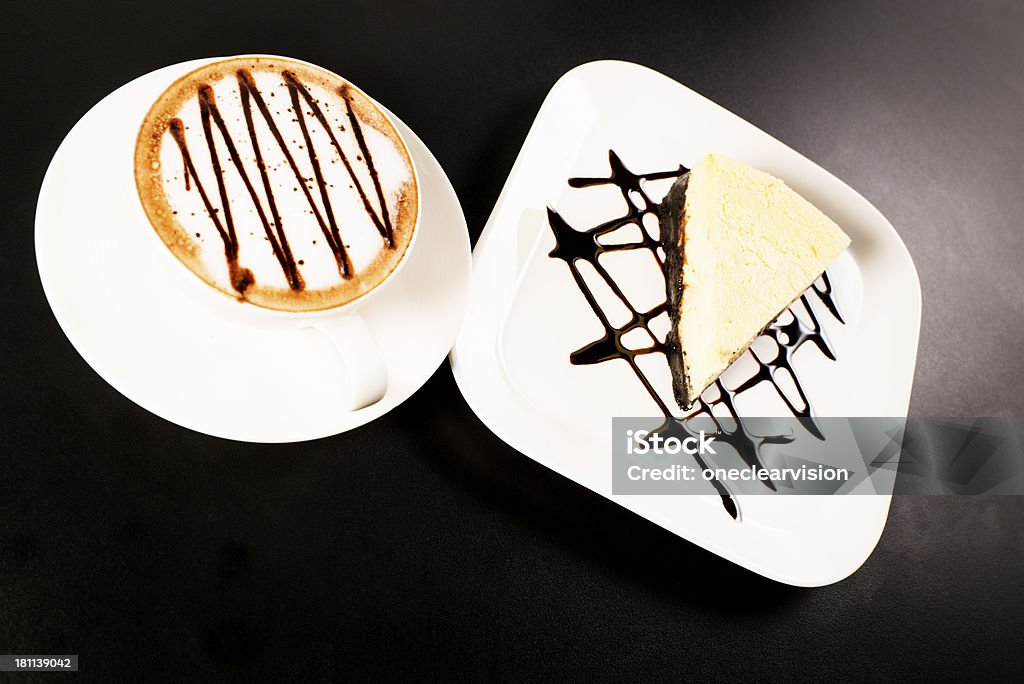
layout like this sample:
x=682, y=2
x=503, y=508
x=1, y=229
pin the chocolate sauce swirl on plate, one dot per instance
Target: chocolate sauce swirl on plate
x=788, y=332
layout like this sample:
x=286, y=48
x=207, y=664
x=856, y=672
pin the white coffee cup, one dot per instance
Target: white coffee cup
x=343, y=324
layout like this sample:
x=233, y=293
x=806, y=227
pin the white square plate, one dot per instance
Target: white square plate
x=526, y=316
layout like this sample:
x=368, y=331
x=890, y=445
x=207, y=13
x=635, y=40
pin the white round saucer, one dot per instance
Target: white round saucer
x=102, y=277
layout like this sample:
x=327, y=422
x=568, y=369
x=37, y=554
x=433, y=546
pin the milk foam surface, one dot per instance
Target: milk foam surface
x=172, y=198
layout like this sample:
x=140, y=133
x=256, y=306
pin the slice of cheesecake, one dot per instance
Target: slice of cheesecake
x=740, y=247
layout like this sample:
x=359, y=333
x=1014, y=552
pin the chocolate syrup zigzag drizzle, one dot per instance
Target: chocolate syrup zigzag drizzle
x=249, y=94
x=788, y=331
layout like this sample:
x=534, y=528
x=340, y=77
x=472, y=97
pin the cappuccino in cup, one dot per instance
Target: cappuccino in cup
x=277, y=183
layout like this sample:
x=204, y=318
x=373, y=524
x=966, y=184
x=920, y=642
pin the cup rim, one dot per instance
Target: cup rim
x=249, y=307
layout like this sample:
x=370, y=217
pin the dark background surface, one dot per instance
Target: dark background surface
x=421, y=544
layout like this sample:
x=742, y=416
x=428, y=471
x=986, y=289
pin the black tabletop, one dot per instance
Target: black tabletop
x=421, y=545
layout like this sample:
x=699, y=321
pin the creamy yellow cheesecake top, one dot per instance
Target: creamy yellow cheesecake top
x=750, y=245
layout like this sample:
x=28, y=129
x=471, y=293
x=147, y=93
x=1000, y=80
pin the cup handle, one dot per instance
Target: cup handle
x=361, y=356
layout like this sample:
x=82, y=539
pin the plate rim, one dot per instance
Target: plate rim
x=46, y=205
x=483, y=403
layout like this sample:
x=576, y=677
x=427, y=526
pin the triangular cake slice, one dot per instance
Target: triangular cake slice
x=740, y=246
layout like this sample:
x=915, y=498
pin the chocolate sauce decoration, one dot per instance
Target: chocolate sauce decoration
x=787, y=331
x=273, y=227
